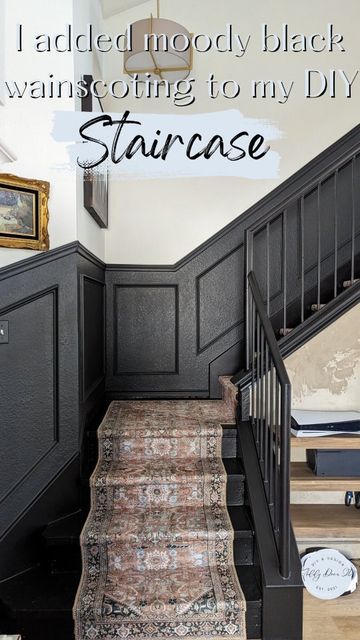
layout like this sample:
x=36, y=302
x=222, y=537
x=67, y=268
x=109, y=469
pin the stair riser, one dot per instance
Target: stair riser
x=228, y=448
x=318, y=497
x=64, y=559
x=244, y=551
x=253, y=621
x=67, y=560
x=235, y=491
x=62, y=628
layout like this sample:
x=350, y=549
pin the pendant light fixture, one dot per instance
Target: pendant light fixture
x=161, y=49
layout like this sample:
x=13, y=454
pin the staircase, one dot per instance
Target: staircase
x=303, y=260
x=303, y=255
x=319, y=515
x=45, y=595
x=38, y=602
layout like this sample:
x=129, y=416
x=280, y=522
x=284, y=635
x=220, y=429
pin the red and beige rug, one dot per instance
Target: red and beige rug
x=157, y=546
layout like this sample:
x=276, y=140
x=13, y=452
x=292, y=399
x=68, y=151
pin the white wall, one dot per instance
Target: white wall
x=26, y=125
x=88, y=231
x=160, y=221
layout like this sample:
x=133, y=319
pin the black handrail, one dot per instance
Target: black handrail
x=270, y=415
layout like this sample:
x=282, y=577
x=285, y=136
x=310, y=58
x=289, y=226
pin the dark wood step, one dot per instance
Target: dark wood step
x=62, y=539
x=229, y=441
x=235, y=481
x=250, y=581
x=40, y=606
x=243, y=535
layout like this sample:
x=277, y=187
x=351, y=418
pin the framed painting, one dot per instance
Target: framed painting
x=24, y=214
x=95, y=182
x=96, y=196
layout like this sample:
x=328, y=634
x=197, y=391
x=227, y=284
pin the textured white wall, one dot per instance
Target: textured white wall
x=325, y=372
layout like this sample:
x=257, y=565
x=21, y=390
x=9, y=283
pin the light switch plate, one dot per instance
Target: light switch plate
x=4, y=331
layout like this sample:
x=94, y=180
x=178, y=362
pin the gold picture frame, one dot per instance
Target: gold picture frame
x=24, y=213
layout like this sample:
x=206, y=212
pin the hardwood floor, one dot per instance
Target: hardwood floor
x=311, y=521
x=327, y=442
x=303, y=479
x=332, y=620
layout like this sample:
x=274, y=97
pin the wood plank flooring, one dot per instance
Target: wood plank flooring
x=303, y=479
x=327, y=442
x=327, y=521
x=334, y=620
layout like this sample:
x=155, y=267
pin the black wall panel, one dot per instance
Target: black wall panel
x=219, y=298
x=39, y=391
x=48, y=371
x=92, y=294
x=146, y=335
x=166, y=325
x=92, y=333
x=31, y=422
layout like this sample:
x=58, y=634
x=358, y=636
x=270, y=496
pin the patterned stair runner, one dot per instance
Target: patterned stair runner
x=157, y=546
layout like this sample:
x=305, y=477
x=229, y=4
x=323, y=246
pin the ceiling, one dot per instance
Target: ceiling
x=112, y=7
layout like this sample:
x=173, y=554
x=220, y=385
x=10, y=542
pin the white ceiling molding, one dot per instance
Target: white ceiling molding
x=5, y=154
x=112, y=7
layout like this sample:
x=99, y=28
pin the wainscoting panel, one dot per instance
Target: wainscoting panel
x=219, y=298
x=52, y=380
x=39, y=388
x=32, y=420
x=93, y=333
x=92, y=294
x=166, y=325
x=146, y=336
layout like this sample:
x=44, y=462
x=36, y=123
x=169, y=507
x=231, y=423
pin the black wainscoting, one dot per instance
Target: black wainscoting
x=92, y=294
x=51, y=384
x=91, y=287
x=171, y=331
x=167, y=326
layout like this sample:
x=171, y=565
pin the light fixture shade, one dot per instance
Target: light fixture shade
x=170, y=65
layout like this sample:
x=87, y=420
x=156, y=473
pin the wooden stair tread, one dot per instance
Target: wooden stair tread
x=303, y=479
x=327, y=442
x=311, y=521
